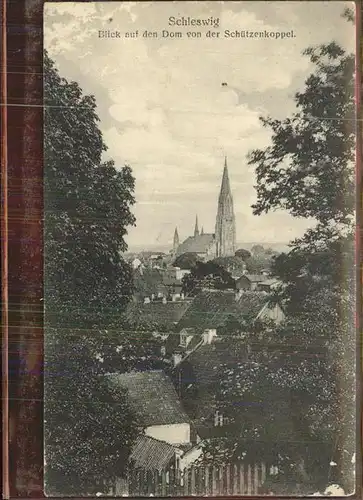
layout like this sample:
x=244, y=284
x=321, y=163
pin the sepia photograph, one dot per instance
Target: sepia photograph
x=199, y=239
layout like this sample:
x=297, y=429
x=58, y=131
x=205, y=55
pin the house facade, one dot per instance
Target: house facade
x=154, y=400
x=164, y=440
x=250, y=282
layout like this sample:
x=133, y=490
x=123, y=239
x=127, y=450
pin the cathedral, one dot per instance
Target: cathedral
x=222, y=242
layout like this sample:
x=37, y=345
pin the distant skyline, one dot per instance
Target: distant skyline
x=164, y=111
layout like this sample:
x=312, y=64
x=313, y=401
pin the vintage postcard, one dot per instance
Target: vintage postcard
x=199, y=202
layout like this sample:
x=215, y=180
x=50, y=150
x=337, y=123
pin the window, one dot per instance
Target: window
x=218, y=419
x=183, y=340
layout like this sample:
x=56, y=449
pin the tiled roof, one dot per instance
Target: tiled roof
x=167, y=314
x=210, y=308
x=172, y=281
x=255, y=278
x=269, y=282
x=148, y=281
x=207, y=360
x=196, y=244
x=151, y=454
x=152, y=397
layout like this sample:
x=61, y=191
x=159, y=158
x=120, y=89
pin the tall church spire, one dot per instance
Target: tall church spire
x=175, y=241
x=225, y=231
x=196, y=229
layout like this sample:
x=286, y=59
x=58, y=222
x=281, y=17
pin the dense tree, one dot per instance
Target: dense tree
x=257, y=250
x=207, y=275
x=186, y=260
x=258, y=263
x=309, y=168
x=298, y=389
x=232, y=264
x=291, y=396
x=87, y=210
x=88, y=429
x=242, y=253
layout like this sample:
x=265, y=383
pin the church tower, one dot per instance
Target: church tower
x=175, y=241
x=196, y=229
x=225, y=232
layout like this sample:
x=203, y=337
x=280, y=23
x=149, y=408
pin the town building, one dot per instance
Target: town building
x=166, y=439
x=220, y=243
x=250, y=281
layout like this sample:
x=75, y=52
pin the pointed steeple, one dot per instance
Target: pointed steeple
x=175, y=241
x=225, y=187
x=202, y=230
x=225, y=222
x=196, y=229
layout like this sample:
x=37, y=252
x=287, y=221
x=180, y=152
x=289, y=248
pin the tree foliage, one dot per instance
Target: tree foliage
x=258, y=263
x=291, y=394
x=87, y=209
x=257, y=250
x=207, y=275
x=87, y=284
x=186, y=260
x=89, y=427
x=242, y=253
x=297, y=391
x=309, y=168
x=233, y=264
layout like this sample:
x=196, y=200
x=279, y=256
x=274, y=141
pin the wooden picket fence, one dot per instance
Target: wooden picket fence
x=232, y=479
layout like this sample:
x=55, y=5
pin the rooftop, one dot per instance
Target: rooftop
x=151, y=454
x=207, y=360
x=211, y=308
x=196, y=244
x=152, y=397
x=167, y=314
x=255, y=278
x=148, y=281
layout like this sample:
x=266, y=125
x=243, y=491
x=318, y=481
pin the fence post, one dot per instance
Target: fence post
x=234, y=480
x=192, y=481
x=177, y=491
x=206, y=480
x=221, y=480
x=255, y=479
x=263, y=473
x=241, y=478
x=156, y=484
x=163, y=483
x=186, y=482
x=249, y=480
x=214, y=482
x=137, y=483
x=172, y=482
x=228, y=479
x=198, y=480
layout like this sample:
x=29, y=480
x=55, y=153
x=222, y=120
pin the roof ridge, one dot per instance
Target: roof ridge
x=135, y=372
x=157, y=440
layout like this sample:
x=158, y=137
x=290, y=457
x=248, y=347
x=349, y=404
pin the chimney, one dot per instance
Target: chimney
x=177, y=357
x=209, y=335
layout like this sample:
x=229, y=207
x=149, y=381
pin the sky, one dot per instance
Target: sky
x=163, y=109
